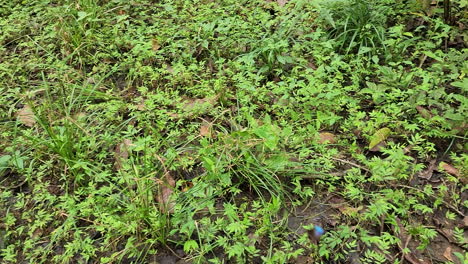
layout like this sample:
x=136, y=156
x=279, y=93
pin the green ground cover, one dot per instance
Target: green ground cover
x=201, y=131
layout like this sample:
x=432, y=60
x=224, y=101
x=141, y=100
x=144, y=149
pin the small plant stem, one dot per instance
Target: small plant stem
x=403, y=256
x=347, y=162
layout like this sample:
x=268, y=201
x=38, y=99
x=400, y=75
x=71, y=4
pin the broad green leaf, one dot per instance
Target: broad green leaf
x=4, y=161
x=209, y=164
x=432, y=55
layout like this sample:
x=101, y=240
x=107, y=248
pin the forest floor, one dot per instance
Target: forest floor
x=233, y=131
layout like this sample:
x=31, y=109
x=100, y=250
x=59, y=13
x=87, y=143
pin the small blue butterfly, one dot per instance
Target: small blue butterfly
x=318, y=231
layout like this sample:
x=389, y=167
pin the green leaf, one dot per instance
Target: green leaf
x=379, y=136
x=209, y=164
x=81, y=15
x=461, y=84
x=432, y=55
x=270, y=134
x=190, y=245
x=4, y=161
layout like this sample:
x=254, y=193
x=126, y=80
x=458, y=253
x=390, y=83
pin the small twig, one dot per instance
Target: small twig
x=318, y=203
x=61, y=213
x=166, y=172
x=351, y=163
x=423, y=59
x=403, y=256
x=382, y=224
x=76, y=124
x=173, y=252
x=345, y=161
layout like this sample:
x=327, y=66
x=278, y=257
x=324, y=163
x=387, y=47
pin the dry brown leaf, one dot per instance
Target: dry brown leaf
x=465, y=221
x=205, y=129
x=79, y=116
x=169, y=68
x=405, y=238
x=199, y=105
x=424, y=112
x=304, y=260
x=327, y=138
x=166, y=202
x=343, y=206
x=347, y=210
x=155, y=45
x=378, y=147
x=141, y=106
x=448, y=254
x=192, y=103
x=449, y=169
x=26, y=116
x=312, y=65
x=122, y=152
x=281, y=2
x=427, y=174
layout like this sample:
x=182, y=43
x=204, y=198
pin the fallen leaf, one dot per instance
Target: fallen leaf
x=427, y=174
x=405, y=238
x=173, y=115
x=326, y=138
x=378, y=147
x=79, y=116
x=155, y=45
x=141, y=106
x=407, y=149
x=281, y=2
x=465, y=221
x=200, y=105
x=379, y=136
x=122, y=152
x=205, y=129
x=423, y=112
x=26, y=116
x=164, y=198
x=169, y=68
x=449, y=169
x=448, y=253
x=303, y=260
x=312, y=65
x=347, y=210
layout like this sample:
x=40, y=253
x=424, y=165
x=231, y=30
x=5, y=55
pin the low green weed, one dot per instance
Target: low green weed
x=205, y=130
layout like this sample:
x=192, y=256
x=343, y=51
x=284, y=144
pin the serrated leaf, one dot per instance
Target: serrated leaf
x=379, y=136
x=190, y=245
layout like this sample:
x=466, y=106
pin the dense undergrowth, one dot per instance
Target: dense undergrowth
x=229, y=131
